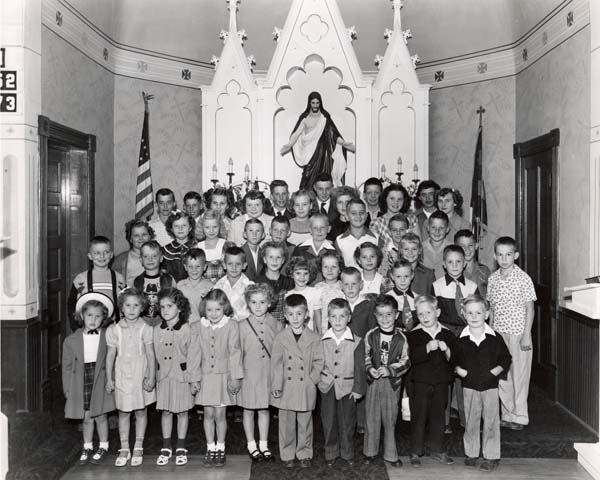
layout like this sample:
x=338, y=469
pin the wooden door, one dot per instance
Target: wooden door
x=537, y=232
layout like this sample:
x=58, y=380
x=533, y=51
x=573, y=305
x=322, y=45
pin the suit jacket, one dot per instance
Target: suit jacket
x=287, y=213
x=72, y=377
x=296, y=369
x=398, y=361
x=252, y=270
x=363, y=318
x=345, y=364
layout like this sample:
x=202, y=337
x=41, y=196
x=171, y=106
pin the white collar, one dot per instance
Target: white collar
x=346, y=336
x=359, y=299
x=487, y=330
x=310, y=243
x=436, y=331
x=205, y=322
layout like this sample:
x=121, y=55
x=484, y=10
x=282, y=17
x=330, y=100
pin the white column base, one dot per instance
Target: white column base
x=588, y=455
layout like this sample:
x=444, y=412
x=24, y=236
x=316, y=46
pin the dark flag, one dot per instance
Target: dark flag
x=144, y=203
x=478, y=204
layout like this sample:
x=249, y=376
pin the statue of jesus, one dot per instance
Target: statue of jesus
x=313, y=143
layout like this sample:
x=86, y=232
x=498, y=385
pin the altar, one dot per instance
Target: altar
x=248, y=116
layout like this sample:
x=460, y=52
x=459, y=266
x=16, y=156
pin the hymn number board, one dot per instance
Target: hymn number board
x=8, y=86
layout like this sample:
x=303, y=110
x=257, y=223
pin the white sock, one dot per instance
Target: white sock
x=88, y=446
x=103, y=445
x=251, y=446
x=220, y=446
x=263, y=445
x=211, y=447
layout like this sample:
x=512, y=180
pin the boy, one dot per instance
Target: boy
x=280, y=196
x=194, y=287
x=273, y=257
x=254, y=233
x=474, y=270
x=371, y=191
x=343, y=382
x=296, y=364
x=316, y=246
x=398, y=226
x=482, y=357
x=402, y=275
x=431, y=347
x=386, y=360
x=192, y=204
x=426, y=193
x=254, y=204
x=411, y=249
x=356, y=234
x=511, y=296
x=100, y=278
x=165, y=204
x=433, y=247
x=234, y=282
x=322, y=187
x=280, y=231
x=152, y=280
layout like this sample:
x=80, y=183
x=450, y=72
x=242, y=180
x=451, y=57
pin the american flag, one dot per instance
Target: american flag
x=144, y=204
x=478, y=203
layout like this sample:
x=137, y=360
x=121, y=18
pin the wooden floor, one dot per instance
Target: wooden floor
x=509, y=469
x=237, y=468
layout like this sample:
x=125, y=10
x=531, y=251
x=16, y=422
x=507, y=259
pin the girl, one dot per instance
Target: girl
x=221, y=370
x=411, y=250
x=84, y=374
x=220, y=200
x=332, y=264
x=449, y=201
x=180, y=226
x=398, y=226
x=213, y=245
x=177, y=356
x=303, y=272
x=304, y=204
x=256, y=338
x=129, y=264
x=131, y=354
x=340, y=196
x=393, y=200
x=368, y=256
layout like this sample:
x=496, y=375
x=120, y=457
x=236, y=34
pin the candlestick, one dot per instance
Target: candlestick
x=230, y=163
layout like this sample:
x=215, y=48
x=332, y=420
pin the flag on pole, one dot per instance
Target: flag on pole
x=144, y=202
x=478, y=204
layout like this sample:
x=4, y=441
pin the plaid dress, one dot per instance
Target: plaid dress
x=89, y=369
x=214, y=259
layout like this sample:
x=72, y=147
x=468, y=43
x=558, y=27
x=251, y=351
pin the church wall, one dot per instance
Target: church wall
x=175, y=143
x=78, y=93
x=453, y=123
x=555, y=93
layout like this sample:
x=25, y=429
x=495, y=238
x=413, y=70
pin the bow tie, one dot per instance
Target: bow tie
x=93, y=332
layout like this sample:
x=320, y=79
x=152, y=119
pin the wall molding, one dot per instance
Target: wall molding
x=566, y=20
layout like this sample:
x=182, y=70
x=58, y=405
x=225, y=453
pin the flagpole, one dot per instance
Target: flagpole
x=480, y=111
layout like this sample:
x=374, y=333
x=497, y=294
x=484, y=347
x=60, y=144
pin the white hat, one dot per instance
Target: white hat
x=99, y=297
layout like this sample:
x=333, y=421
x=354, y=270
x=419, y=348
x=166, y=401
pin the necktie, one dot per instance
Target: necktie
x=458, y=298
x=93, y=332
x=407, y=318
x=323, y=211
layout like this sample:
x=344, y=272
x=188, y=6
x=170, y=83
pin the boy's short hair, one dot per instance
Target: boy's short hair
x=425, y=185
x=351, y=271
x=301, y=263
x=428, y=299
x=263, y=288
x=253, y=221
x=178, y=215
x=179, y=299
x=438, y=215
x=233, y=251
x=318, y=216
x=100, y=240
x=506, y=241
x=132, y=292
x=194, y=254
x=277, y=245
x=372, y=181
x=163, y=192
x=323, y=177
x=364, y=245
x=400, y=263
x=340, y=303
x=151, y=244
x=296, y=300
x=136, y=223
x=453, y=249
x=333, y=254
x=394, y=187
x=278, y=183
x=475, y=298
x=216, y=295
x=386, y=301
x=355, y=201
x=192, y=195
x=399, y=217
x=456, y=196
x=411, y=237
x=254, y=195
x=282, y=219
x=464, y=233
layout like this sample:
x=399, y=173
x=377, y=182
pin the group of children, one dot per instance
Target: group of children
x=227, y=314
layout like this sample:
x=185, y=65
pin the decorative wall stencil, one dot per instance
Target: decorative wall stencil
x=105, y=53
x=406, y=34
x=223, y=34
x=525, y=54
x=570, y=19
x=186, y=74
x=439, y=76
x=387, y=34
x=482, y=67
x=314, y=28
x=142, y=66
x=59, y=19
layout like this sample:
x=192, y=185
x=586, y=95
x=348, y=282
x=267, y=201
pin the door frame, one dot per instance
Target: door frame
x=51, y=132
x=549, y=141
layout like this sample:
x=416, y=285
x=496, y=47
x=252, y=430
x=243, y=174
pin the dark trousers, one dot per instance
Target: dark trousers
x=427, y=409
x=339, y=421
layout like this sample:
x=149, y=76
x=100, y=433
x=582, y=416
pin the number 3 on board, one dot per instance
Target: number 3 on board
x=8, y=102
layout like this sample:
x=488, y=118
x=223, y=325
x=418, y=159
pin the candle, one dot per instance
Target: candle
x=246, y=172
x=399, y=164
x=416, y=171
x=383, y=171
x=230, y=163
x=214, y=171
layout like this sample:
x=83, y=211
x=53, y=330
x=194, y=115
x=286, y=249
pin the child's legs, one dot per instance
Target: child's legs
x=166, y=424
x=389, y=415
x=436, y=417
x=221, y=423
x=264, y=420
x=346, y=420
x=88, y=427
x=209, y=424
x=102, y=427
x=124, y=424
x=419, y=410
x=460, y=403
x=248, y=422
x=141, y=420
x=182, y=425
x=515, y=389
x=373, y=418
x=329, y=420
x=304, y=446
x=491, y=424
x=287, y=434
x=361, y=413
x=473, y=410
